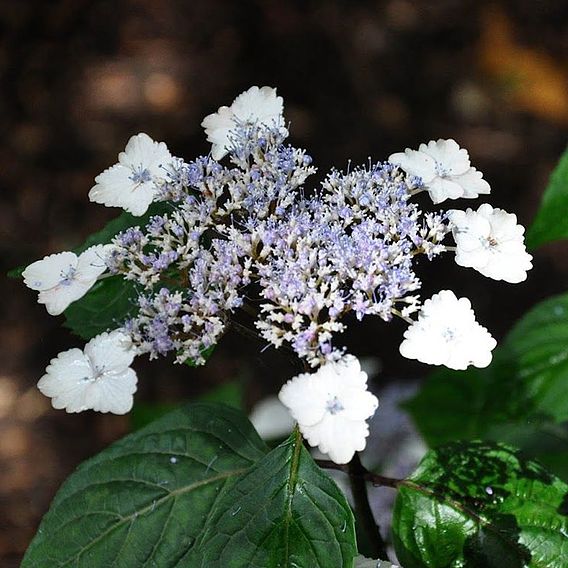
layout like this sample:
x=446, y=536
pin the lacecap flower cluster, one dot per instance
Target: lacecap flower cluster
x=240, y=233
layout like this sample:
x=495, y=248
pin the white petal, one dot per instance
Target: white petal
x=415, y=163
x=305, y=399
x=472, y=183
x=118, y=186
x=92, y=263
x=115, y=188
x=338, y=437
x=217, y=127
x=331, y=406
x=441, y=189
x=142, y=151
x=111, y=352
x=452, y=159
x=77, y=381
x=113, y=392
x=359, y=405
x=66, y=379
x=258, y=104
x=58, y=299
x=47, y=273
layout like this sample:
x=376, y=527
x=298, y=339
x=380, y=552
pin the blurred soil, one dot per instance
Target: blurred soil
x=362, y=78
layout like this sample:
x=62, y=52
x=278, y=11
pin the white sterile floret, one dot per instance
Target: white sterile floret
x=133, y=183
x=97, y=378
x=446, y=333
x=257, y=105
x=65, y=277
x=444, y=168
x=331, y=407
x=490, y=241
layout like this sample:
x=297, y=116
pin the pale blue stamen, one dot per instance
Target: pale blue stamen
x=67, y=277
x=441, y=170
x=334, y=406
x=140, y=175
x=449, y=335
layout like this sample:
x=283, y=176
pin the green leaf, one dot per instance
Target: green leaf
x=551, y=222
x=171, y=493
x=105, y=306
x=481, y=505
x=143, y=413
x=538, y=345
x=145, y=500
x=524, y=390
x=284, y=512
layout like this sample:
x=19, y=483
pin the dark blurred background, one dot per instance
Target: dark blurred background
x=359, y=79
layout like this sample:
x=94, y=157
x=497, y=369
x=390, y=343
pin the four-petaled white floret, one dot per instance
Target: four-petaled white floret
x=331, y=407
x=256, y=105
x=64, y=277
x=133, y=183
x=490, y=241
x=444, y=168
x=446, y=333
x=97, y=378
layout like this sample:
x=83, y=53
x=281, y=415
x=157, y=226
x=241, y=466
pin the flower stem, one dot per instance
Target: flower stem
x=374, y=478
x=358, y=477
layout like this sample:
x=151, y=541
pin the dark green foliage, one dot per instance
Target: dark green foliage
x=105, y=306
x=480, y=505
x=284, y=512
x=551, y=222
x=190, y=489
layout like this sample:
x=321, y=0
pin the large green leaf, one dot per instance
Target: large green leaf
x=524, y=390
x=481, y=505
x=551, y=222
x=171, y=494
x=145, y=500
x=285, y=512
x=105, y=306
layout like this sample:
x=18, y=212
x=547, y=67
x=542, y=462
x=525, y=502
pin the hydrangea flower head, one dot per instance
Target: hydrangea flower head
x=444, y=169
x=447, y=333
x=133, y=183
x=64, y=277
x=97, y=378
x=490, y=241
x=251, y=237
x=331, y=407
x=254, y=106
